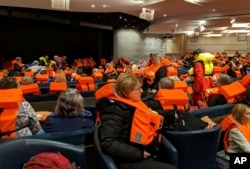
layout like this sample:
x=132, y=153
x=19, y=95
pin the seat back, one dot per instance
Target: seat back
x=24, y=149
x=196, y=149
x=104, y=161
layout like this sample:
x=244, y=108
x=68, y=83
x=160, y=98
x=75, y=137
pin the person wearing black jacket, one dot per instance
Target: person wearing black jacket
x=116, y=121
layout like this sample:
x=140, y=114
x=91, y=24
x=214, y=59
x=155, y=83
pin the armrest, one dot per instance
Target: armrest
x=169, y=151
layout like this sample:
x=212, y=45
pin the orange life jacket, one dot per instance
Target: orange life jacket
x=57, y=87
x=29, y=73
x=138, y=72
x=9, y=103
x=86, y=83
x=171, y=71
x=57, y=74
x=172, y=98
x=150, y=72
x=181, y=85
x=30, y=89
x=101, y=70
x=42, y=77
x=228, y=123
x=68, y=72
x=233, y=92
x=145, y=124
x=97, y=75
x=50, y=71
x=245, y=81
x=18, y=78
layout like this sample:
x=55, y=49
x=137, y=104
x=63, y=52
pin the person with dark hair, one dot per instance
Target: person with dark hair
x=69, y=113
x=202, y=71
x=26, y=122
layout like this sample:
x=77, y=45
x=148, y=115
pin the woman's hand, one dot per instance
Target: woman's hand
x=146, y=154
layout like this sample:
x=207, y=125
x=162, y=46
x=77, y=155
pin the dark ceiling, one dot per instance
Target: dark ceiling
x=114, y=20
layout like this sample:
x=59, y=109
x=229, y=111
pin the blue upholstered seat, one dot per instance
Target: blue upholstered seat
x=16, y=152
x=196, y=149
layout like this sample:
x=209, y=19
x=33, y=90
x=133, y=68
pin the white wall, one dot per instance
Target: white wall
x=227, y=43
x=135, y=45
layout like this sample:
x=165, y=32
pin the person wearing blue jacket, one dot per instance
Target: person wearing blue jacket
x=69, y=113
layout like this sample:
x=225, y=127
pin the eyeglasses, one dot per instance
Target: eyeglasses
x=138, y=89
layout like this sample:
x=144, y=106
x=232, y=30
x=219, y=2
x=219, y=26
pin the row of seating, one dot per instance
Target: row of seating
x=197, y=151
x=184, y=149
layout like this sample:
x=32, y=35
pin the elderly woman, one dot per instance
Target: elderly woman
x=121, y=110
x=236, y=127
x=69, y=113
x=26, y=122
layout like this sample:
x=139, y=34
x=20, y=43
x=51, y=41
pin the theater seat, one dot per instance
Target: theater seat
x=107, y=162
x=104, y=161
x=196, y=149
x=22, y=149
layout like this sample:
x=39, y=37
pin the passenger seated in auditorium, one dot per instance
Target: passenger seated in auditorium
x=219, y=99
x=26, y=118
x=69, y=113
x=26, y=80
x=116, y=108
x=60, y=79
x=158, y=71
x=164, y=83
x=236, y=129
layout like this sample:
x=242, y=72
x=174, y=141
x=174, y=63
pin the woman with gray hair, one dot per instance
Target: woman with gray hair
x=69, y=113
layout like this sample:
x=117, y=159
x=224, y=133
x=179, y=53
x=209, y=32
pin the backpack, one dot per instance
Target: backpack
x=49, y=160
x=186, y=121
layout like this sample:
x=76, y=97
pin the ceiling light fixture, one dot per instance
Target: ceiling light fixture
x=232, y=21
x=240, y=25
x=193, y=2
x=150, y=2
x=60, y=4
x=213, y=35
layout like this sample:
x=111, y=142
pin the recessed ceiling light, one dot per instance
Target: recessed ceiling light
x=165, y=15
x=92, y=6
x=240, y=25
x=104, y=6
x=213, y=10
